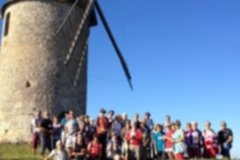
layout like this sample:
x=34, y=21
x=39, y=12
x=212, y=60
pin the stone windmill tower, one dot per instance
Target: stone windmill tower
x=43, y=60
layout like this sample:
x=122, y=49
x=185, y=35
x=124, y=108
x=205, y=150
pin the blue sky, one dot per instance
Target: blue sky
x=183, y=55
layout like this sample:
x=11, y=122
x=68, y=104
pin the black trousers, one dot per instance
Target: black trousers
x=45, y=143
x=103, y=141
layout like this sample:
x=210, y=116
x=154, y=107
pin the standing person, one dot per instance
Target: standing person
x=178, y=140
x=95, y=149
x=72, y=128
x=210, y=142
x=36, y=128
x=170, y=129
x=158, y=141
x=57, y=129
x=102, y=131
x=136, y=119
x=167, y=120
x=188, y=138
x=81, y=119
x=225, y=140
x=125, y=145
x=124, y=119
x=134, y=139
x=195, y=151
x=117, y=126
x=90, y=130
x=64, y=120
x=72, y=124
x=146, y=141
x=59, y=153
x=110, y=118
x=45, y=135
x=149, y=122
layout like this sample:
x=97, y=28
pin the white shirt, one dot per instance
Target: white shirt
x=36, y=122
x=72, y=126
x=58, y=155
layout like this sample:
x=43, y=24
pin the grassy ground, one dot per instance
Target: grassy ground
x=17, y=152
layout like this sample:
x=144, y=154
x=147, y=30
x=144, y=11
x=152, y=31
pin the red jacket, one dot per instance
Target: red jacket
x=134, y=138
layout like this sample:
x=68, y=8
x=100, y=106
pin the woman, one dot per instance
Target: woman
x=95, y=149
x=188, y=138
x=113, y=147
x=57, y=129
x=79, y=150
x=125, y=145
x=170, y=129
x=59, y=153
x=178, y=139
x=135, y=141
x=146, y=141
x=158, y=141
x=210, y=142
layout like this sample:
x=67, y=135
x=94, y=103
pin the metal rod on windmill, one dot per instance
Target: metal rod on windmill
x=78, y=32
x=107, y=28
x=67, y=16
x=114, y=43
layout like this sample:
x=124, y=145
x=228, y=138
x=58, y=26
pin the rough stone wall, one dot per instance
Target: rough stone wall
x=32, y=74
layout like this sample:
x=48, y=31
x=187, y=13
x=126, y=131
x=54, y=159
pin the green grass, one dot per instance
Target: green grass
x=17, y=152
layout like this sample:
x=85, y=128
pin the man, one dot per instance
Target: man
x=72, y=128
x=102, y=130
x=35, y=124
x=59, y=153
x=46, y=132
x=72, y=124
x=188, y=137
x=146, y=141
x=148, y=121
x=225, y=139
x=110, y=118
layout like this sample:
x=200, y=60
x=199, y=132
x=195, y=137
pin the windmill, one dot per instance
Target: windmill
x=43, y=60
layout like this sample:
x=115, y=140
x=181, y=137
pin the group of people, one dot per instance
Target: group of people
x=110, y=137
